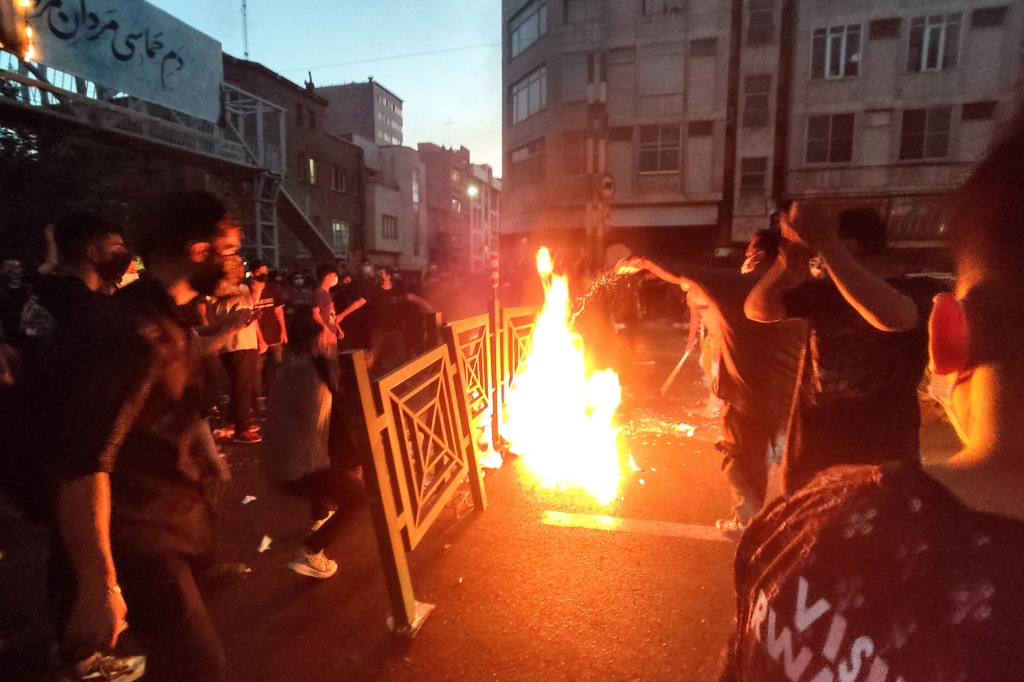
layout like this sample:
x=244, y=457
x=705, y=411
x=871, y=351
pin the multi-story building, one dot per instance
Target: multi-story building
x=673, y=126
x=462, y=209
x=320, y=200
x=367, y=109
x=396, y=234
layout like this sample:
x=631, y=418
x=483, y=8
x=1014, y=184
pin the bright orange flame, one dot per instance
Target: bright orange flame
x=560, y=416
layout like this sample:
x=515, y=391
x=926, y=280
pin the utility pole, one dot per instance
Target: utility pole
x=245, y=31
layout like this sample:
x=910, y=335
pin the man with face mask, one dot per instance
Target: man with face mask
x=898, y=572
x=129, y=506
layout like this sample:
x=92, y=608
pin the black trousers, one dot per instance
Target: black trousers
x=242, y=366
x=744, y=447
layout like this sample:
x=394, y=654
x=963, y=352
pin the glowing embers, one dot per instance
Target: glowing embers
x=559, y=417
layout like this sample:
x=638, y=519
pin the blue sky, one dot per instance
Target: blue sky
x=442, y=57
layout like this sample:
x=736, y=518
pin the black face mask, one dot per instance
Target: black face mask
x=114, y=267
x=262, y=277
x=206, y=276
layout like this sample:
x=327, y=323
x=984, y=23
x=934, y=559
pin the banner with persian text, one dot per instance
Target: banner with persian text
x=133, y=47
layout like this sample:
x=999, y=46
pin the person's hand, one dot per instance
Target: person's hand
x=284, y=336
x=238, y=319
x=97, y=617
x=341, y=334
x=262, y=346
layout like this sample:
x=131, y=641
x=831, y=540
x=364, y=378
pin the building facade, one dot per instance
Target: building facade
x=677, y=126
x=367, y=109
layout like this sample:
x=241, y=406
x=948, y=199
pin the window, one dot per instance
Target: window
x=303, y=165
x=312, y=171
x=456, y=205
x=456, y=176
x=660, y=146
x=884, y=29
x=988, y=17
x=934, y=42
x=835, y=51
x=389, y=226
x=577, y=11
x=339, y=234
x=312, y=119
x=574, y=153
x=339, y=179
x=753, y=174
x=756, y=90
x=925, y=133
x=760, y=22
x=298, y=115
x=415, y=186
x=978, y=111
x=528, y=26
x=526, y=163
x=704, y=47
x=699, y=128
x=660, y=6
x=830, y=138
x=530, y=95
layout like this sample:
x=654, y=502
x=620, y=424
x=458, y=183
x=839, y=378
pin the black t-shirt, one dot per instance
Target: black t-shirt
x=387, y=309
x=124, y=403
x=759, y=361
x=856, y=399
x=878, y=573
x=270, y=298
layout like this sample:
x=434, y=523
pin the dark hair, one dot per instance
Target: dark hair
x=864, y=226
x=256, y=265
x=768, y=241
x=323, y=270
x=173, y=222
x=74, y=231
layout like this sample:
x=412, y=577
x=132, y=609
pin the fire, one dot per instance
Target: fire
x=559, y=415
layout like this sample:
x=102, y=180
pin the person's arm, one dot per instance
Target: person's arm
x=261, y=345
x=52, y=261
x=881, y=306
x=422, y=302
x=279, y=312
x=352, y=307
x=83, y=516
x=765, y=303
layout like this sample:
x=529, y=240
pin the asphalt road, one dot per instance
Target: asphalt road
x=539, y=586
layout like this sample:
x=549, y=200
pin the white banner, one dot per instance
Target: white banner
x=133, y=47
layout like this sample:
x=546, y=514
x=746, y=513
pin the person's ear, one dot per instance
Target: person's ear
x=949, y=337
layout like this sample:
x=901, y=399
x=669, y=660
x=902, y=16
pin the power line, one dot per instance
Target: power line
x=395, y=56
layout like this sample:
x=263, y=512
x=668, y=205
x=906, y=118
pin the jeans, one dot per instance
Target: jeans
x=243, y=367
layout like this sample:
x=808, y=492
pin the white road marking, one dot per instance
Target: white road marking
x=610, y=523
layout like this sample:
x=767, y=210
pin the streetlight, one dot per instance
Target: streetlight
x=472, y=190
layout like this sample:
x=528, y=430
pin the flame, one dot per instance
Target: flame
x=559, y=415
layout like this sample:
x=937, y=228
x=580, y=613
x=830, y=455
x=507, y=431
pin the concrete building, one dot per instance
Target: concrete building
x=367, y=109
x=673, y=127
x=462, y=209
x=320, y=201
x=396, y=234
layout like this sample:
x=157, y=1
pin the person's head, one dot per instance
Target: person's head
x=762, y=250
x=260, y=271
x=865, y=228
x=979, y=331
x=11, y=272
x=87, y=239
x=189, y=235
x=384, y=277
x=327, y=276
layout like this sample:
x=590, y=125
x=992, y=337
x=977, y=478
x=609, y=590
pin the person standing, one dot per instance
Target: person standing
x=856, y=399
x=900, y=572
x=323, y=311
x=129, y=505
x=268, y=299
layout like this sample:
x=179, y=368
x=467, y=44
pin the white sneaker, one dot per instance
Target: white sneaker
x=102, y=668
x=315, y=566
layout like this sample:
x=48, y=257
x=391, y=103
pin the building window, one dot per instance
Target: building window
x=339, y=179
x=456, y=176
x=925, y=133
x=339, y=234
x=704, y=47
x=756, y=91
x=303, y=165
x=311, y=176
x=753, y=175
x=389, y=226
x=660, y=148
x=988, y=17
x=835, y=51
x=934, y=42
x=884, y=29
x=574, y=153
x=760, y=22
x=830, y=139
x=298, y=115
x=415, y=186
x=530, y=94
x=577, y=11
x=979, y=111
x=456, y=205
x=528, y=26
x=661, y=6
x=526, y=163
x=312, y=119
